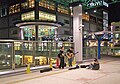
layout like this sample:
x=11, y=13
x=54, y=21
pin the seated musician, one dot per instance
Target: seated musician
x=94, y=65
x=70, y=55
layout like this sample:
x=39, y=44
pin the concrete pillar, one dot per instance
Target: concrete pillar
x=99, y=42
x=77, y=32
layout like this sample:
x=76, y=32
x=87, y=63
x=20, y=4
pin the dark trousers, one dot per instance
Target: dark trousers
x=70, y=62
x=61, y=62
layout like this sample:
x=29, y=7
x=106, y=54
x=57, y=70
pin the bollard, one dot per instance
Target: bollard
x=67, y=64
x=57, y=62
x=28, y=69
x=13, y=66
x=51, y=65
x=74, y=62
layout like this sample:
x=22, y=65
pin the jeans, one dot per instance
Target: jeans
x=61, y=62
x=70, y=62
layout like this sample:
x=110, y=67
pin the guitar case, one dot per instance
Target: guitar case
x=83, y=66
x=46, y=69
x=76, y=67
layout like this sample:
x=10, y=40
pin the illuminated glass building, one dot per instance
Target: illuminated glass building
x=33, y=19
x=42, y=21
x=22, y=19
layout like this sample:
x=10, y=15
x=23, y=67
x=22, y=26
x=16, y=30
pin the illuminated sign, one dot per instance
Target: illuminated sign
x=97, y=3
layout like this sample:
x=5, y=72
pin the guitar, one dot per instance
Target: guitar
x=70, y=55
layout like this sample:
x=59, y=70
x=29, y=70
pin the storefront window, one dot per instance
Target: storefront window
x=17, y=45
x=47, y=4
x=46, y=32
x=28, y=16
x=5, y=55
x=28, y=59
x=63, y=9
x=18, y=59
x=29, y=33
x=46, y=16
x=14, y=8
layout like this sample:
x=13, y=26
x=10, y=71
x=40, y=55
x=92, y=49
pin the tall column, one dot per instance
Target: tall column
x=77, y=32
x=36, y=18
x=99, y=42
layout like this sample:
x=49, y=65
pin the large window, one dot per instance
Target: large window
x=46, y=16
x=85, y=17
x=24, y=5
x=45, y=32
x=28, y=16
x=63, y=9
x=14, y=8
x=47, y=4
x=29, y=32
x=31, y=3
x=105, y=20
x=28, y=4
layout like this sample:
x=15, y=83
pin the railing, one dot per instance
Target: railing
x=89, y=52
x=20, y=53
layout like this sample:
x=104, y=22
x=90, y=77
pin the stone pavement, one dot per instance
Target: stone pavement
x=109, y=73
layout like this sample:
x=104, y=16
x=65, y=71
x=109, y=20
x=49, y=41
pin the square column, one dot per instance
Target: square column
x=77, y=32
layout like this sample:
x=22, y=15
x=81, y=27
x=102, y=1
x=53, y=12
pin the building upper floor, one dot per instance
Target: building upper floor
x=9, y=7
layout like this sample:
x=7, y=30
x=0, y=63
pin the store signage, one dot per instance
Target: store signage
x=97, y=3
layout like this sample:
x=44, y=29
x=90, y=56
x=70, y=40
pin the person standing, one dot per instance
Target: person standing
x=70, y=55
x=61, y=57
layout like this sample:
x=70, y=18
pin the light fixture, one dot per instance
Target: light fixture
x=95, y=11
x=80, y=14
x=86, y=12
x=71, y=14
x=70, y=7
x=80, y=5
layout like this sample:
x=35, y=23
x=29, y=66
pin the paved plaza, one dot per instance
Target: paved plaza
x=109, y=73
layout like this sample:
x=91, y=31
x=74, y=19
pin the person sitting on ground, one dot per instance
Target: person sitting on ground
x=94, y=65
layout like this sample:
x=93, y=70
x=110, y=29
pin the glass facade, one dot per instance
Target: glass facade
x=47, y=4
x=28, y=4
x=85, y=17
x=45, y=32
x=29, y=32
x=14, y=8
x=105, y=20
x=46, y=16
x=35, y=53
x=63, y=9
x=6, y=55
x=28, y=16
x=31, y=3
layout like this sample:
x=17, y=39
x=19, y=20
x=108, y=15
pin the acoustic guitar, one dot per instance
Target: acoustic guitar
x=70, y=55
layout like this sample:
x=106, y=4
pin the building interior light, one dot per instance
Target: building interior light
x=95, y=11
x=70, y=7
x=80, y=5
x=86, y=12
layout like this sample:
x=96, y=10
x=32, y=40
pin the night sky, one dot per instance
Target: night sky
x=114, y=12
